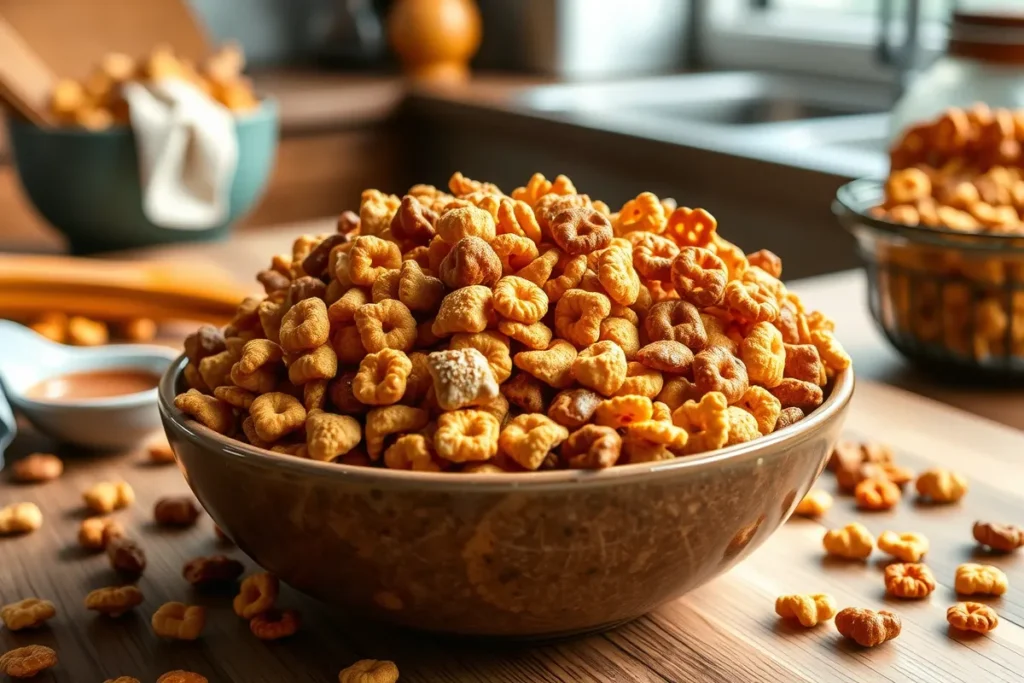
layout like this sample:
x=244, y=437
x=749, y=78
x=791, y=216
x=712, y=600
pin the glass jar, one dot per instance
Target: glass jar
x=984, y=62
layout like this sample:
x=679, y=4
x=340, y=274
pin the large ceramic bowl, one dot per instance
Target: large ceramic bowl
x=525, y=555
x=86, y=183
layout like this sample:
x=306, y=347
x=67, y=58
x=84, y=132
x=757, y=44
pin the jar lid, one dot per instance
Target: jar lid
x=988, y=36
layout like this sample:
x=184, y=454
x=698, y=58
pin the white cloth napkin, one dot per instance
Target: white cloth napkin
x=188, y=151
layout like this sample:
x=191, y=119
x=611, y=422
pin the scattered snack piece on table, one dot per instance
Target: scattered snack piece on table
x=808, y=609
x=1003, y=538
x=866, y=627
x=853, y=542
x=256, y=595
x=180, y=676
x=275, y=624
x=160, y=451
x=27, y=613
x=909, y=580
x=126, y=556
x=369, y=671
x=105, y=497
x=980, y=579
x=941, y=486
x=179, y=621
x=123, y=679
x=972, y=616
x=206, y=571
x=877, y=494
x=447, y=330
x=114, y=601
x=28, y=661
x=36, y=468
x=95, y=533
x=907, y=546
x=86, y=332
x=20, y=518
x=847, y=480
x=178, y=511
x=849, y=455
x=816, y=503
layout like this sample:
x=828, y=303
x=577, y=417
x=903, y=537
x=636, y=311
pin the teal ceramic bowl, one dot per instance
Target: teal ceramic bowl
x=86, y=184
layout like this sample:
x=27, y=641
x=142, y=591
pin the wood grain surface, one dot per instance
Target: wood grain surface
x=725, y=631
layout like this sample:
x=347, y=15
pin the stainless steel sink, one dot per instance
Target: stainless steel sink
x=834, y=126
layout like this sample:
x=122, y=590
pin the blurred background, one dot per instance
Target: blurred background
x=755, y=109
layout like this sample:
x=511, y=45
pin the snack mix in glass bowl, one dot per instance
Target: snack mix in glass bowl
x=474, y=331
x=943, y=240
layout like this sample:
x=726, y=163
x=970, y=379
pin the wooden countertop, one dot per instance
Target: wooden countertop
x=725, y=631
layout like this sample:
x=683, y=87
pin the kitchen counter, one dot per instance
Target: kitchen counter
x=725, y=631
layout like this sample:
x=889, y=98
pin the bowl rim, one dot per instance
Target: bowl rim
x=855, y=198
x=773, y=444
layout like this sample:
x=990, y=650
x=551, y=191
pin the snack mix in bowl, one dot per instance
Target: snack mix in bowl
x=944, y=240
x=474, y=331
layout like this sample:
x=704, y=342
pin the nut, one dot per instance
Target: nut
x=20, y=518
x=205, y=571
x=37, y=467
x=95, y=533
x=126, y=556
x=105, y=497
x=814, y=504
x=866, y=627
x=176, y=511
x=1000, y=537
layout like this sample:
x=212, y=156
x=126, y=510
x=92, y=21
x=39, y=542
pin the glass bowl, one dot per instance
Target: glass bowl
x=948, y=300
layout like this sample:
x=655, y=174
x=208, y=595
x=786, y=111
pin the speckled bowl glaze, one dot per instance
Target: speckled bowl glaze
x=542, y=554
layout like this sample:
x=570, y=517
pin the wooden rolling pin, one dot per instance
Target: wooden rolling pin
x=112, y=290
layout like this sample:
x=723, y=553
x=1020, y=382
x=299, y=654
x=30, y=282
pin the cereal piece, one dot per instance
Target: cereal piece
x=816, y=503
x=526, y=392
x=804, y=363
x=906, y=547
x=95, y=533
x=644, y=213
x=179, y=621
x=126, y=556
x=519, y=300
x=462, y=378
x=907, y=186
x=276, y=414
x=848, y=479
x=1003, y=538
x=831, y=351
x=767, y=261
x=371, y=257
x=329, y=435
x=369, y=671
x=204, y=342
x=808, y=609
x=580, y=230
x=908, y=580
x=536, y=336
x=122, y=679
x=765, y=408
x=385, y=286
x=344, y=309
x=749, y=302
x=539, y=272
x=529, y=438
x=623, y=333
x=641, y=381
x=617, y=277
x=794, y=393
x=553, y=366
x=853, y=541
x=387, y=420
x=471, y=261
x=699, y=276
x=980, y=579
x=493, y=345
x=676, y=391
x=622, y=411
x=257, y=368
x=28, y=661
x=717, y=370
x=972, y=616
x=764, y=354
x=573, y=408
x=677, y=321
x=866, y=627
x=180, y=511
x=105, y=497
x=27, y=613
x=305, y=326
x=180, y=676
x=215, y=570
x=36, y=468
x=418, y=290
x=302, y=288
x=706, y=421
x=656, y=432
x=465, y=221
x=274, y=624
x=592, y=447
x=413, y=222
x=498, y=407
x=256, y=595
x=469, y=309
x=691, y=227
x=941, y=486
x=382, y=377
x=317, y=261
x=412, y=452
x=742, y=426
x=514, y=251
x=210, y=412
x=877, y=494
x=652, y=255
x=570, y=273
x=578, y=316
x=85, y=332
x=601, y=367
x=314, y=395
x=419, y=381
x=466, y=435
x=386, y=325
x=788, y=416
x=114, y=601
